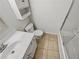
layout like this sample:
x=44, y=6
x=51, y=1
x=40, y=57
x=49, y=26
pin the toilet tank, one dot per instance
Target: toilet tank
x=29, y=28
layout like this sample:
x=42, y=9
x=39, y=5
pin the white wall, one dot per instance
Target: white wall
x=6, y=13
x=71, y=24
x=8, y=16
x=48, y=15
x=72, y=21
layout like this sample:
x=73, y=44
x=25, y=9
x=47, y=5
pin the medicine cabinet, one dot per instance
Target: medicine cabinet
x=20, y=8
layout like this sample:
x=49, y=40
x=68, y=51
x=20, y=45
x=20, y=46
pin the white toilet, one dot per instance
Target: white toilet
x=38, y=33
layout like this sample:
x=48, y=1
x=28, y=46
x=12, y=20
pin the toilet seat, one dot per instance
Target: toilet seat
x=38, y=33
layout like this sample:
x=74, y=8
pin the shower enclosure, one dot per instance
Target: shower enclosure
x=70, y=35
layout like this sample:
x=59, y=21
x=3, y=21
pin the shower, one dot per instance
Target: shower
x=70, y=32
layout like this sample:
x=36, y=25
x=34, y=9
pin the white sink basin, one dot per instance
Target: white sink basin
x=17, y=45
x=9, y=50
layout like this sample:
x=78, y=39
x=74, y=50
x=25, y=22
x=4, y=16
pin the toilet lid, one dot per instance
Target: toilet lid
x=38, y=32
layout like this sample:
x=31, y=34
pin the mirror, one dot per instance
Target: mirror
x=21, y=4
x=21, y=8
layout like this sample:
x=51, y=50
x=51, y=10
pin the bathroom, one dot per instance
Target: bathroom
x=39, y=29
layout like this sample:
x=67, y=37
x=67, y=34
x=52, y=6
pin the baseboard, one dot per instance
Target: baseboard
x=61, y=47
x=60, y=43
x=52, y=33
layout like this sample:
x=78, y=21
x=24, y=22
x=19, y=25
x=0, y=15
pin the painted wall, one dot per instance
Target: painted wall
x=6, y=13
x=72, y=21
x=48, y=15
x=10, y=19
x=72, y=24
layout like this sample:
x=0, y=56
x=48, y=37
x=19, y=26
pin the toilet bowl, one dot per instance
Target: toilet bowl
x=38, y=33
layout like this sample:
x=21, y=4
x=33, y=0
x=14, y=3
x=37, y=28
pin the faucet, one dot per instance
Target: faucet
x=2, y=47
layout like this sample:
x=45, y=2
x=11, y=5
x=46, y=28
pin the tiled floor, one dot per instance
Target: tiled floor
x=47, y=47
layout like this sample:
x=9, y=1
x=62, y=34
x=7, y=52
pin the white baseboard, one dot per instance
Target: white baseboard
x=61, y=47
x=52, y=33
x=60, y=43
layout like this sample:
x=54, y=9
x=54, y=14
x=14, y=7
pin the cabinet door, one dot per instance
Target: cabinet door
x=34, y=46
x=25, y=57
x=28, y=51
x=31, y=50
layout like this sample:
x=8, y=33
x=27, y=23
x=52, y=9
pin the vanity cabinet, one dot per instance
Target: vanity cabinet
x=31, y=50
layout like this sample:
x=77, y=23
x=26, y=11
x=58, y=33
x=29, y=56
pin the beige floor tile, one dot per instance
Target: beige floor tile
x=38, y=54
x=44, y=56
x=43, y=44
x=53, y=45
x=52, y=36
x=52, y=57
x=47, y=47
x=52, y=54
x=46, y=44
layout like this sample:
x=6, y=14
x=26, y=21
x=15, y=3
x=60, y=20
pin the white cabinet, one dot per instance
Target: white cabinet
x=31, y=50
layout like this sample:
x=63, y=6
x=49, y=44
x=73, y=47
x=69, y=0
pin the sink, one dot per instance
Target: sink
x=17, y=45
x=9, y=50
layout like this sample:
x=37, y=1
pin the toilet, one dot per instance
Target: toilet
x=37, y=33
